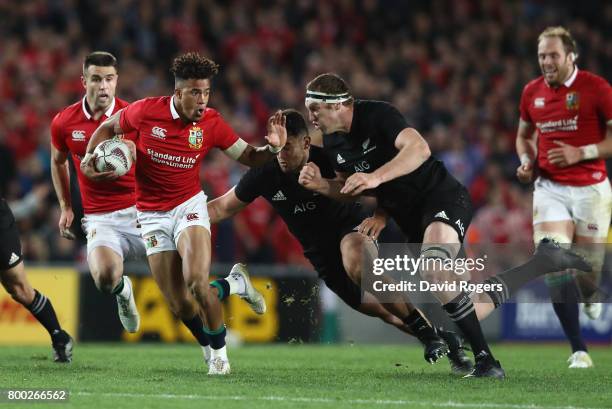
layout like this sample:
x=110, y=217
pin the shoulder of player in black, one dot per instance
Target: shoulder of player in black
x=269, y=169
x=366, y=110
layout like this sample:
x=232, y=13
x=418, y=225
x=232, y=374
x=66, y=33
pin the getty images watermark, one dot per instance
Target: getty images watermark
x=419, y=271
x=452, y=270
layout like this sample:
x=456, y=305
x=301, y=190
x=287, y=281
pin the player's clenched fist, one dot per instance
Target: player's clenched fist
x=524, y=173
x=310, y=177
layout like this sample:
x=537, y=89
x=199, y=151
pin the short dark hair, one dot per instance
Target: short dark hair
x=330, y=83
x=569, y=44
x=193, y=65
x=295, y=123
x=100, y=59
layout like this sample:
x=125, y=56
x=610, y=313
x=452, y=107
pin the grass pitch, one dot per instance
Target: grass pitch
x=299, y=376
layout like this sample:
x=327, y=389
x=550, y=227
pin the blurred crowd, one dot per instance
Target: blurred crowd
x=455, y=69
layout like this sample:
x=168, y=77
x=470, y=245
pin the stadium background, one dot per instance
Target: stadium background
x=454, y=68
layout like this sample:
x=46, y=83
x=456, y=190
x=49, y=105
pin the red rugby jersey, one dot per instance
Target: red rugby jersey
x=575, y=113
x=170, y=151
x=71, y=130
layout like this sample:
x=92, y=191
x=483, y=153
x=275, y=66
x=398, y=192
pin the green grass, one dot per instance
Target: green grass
x=298, y=376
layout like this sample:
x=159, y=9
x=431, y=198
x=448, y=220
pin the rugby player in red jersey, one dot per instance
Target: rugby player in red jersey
x=173, y=134
x=564, y=135
x=110, y=225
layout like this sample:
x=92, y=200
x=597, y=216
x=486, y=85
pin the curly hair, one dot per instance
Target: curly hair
x=193, y=65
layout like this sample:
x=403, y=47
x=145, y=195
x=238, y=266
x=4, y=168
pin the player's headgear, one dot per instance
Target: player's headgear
x=328, y=88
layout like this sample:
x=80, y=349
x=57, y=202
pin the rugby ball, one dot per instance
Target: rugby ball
x=113, y=155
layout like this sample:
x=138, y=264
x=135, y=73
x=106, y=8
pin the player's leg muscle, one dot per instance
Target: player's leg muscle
x=194, y=248
x=166, y=269
x=106, y=268
x=352, y=248
x=16, y=284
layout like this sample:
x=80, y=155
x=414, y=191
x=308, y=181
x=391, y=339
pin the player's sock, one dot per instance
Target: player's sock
x=232, y=284
x=420, y=327
x=223, y=287
x=219, y=353
x=564, y=296
x=121, y=290
x=461, y=311
x=196, y=326
x=506, y=283
x=216, y=337
x=43, y=310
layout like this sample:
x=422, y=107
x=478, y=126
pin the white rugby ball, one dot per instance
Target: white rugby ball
x=113, y=155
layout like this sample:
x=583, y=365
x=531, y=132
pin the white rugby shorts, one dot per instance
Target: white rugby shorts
x=589, y=207
x=117, y=230
x=161, y=230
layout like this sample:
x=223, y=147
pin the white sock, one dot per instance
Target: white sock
x=236, y=284
x=126, y=291
x=207, y=352
x=219, y=353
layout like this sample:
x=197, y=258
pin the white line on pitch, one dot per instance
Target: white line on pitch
x=447, y=404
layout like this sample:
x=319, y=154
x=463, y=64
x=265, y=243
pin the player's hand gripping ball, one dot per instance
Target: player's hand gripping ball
x=113, y=155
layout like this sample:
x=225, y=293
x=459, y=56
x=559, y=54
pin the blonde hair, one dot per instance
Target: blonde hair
x=569, y=44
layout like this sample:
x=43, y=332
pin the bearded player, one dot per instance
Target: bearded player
x=564, y=135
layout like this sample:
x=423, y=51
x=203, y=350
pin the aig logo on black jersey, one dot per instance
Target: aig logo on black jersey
x=362, y=166
x=304, y=207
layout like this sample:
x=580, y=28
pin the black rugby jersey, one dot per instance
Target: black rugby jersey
x=6, y=215
x=314, y=219
x=370, y=144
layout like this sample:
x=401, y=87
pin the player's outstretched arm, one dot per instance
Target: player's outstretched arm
x=61, y=183
x=106, y=130
x=225, y=206
x=526, y=150
x=276, y=138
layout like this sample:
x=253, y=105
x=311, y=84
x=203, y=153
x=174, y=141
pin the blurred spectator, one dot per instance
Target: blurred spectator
x=454, y=68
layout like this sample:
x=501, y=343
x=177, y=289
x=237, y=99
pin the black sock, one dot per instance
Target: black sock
x=507, y=282
x=461, y=311
x=565, y=303
x=223, y=287
x=420, y=327
x=217, y=337
x=43, y=310
x=196, y=326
